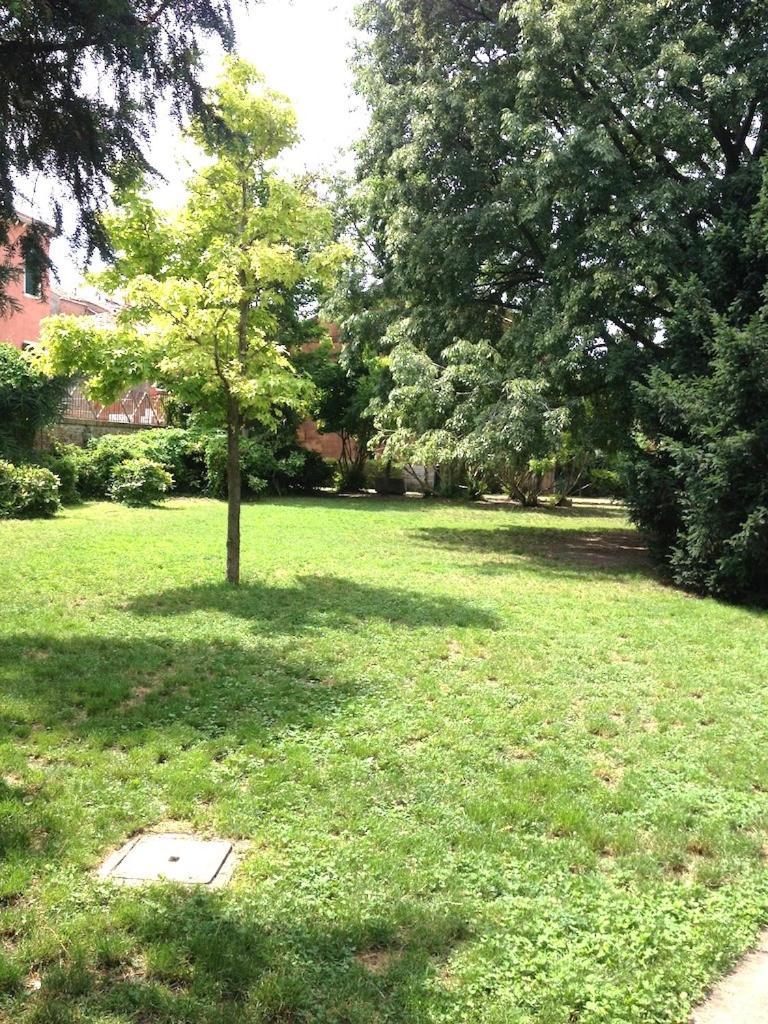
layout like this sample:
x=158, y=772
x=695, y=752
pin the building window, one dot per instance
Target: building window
x=33, y=275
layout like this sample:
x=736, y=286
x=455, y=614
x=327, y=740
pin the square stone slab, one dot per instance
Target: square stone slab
x=170, y=856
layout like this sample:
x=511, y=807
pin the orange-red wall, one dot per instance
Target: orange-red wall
x=23, y=324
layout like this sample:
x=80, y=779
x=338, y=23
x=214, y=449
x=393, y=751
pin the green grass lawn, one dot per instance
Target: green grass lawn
x=487, y=768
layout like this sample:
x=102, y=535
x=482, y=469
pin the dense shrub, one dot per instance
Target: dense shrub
x=179, y=452
x=603, y=483
x=197, y=462
x=139, y=482
x=350, y=477
x=287, y=469
x=29, y=401
x=698, y=484
x=315, y=472
x=28, y=491
x=62, y=460
x=257, y=464
x=98, y=460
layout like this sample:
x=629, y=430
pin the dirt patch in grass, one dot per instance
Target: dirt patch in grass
x=378, y=961
x=139, y=694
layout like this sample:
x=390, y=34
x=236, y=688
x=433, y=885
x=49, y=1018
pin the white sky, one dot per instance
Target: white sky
x=303, y=48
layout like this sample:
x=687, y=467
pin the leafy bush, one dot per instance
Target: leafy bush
x=62, y=460
x=281, y=471
x=180, y=452
x=350, y=477
x=97, y=462
x=139, y=482
x=29, y=401
x=28, y=491
x=314, y=472
x=197, y=461
x=604, y=483
x=257, y=464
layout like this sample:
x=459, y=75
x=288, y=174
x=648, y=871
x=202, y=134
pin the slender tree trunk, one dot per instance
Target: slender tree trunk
x=233, y=493
x=234, y=420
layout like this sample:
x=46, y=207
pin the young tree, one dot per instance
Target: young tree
x=213, y=297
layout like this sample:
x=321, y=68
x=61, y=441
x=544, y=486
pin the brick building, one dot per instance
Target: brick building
x=140, y=407
x=33, y=298
x=32, y=295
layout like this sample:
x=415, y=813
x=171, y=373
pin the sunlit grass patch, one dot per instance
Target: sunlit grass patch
x=486, y=767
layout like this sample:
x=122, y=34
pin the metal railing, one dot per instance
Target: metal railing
x=142, y=406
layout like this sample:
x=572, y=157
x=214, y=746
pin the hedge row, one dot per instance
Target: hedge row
x=145, y=467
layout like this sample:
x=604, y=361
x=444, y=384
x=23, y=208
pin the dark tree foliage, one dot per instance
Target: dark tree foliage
x=345, y=384
x=80, y=83
x=29, y=401
x=584, y=177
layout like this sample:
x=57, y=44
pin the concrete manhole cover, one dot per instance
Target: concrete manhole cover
x=172, y=857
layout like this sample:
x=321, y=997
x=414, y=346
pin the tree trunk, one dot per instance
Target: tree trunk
x=233, y=493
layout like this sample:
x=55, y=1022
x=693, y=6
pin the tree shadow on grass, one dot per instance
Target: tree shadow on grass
x=314, y=603
x=118, y=686
x=116, y=691
x=77, y=707
x=564, y=552
x=201, y=956
x=369, y=502
x=203, y=676
x=165, y=696
x=26, y=829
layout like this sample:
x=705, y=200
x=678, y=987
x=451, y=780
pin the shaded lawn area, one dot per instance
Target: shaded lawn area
x=487, y=768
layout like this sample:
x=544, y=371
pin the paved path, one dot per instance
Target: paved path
x=742, y=996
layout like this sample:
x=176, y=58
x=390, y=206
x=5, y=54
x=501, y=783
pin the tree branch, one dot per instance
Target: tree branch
x=746, y=126
x=762, y=135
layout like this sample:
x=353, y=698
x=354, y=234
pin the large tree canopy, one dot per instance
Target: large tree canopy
x=80, y=83
x=567, y=174
x=569, y=160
